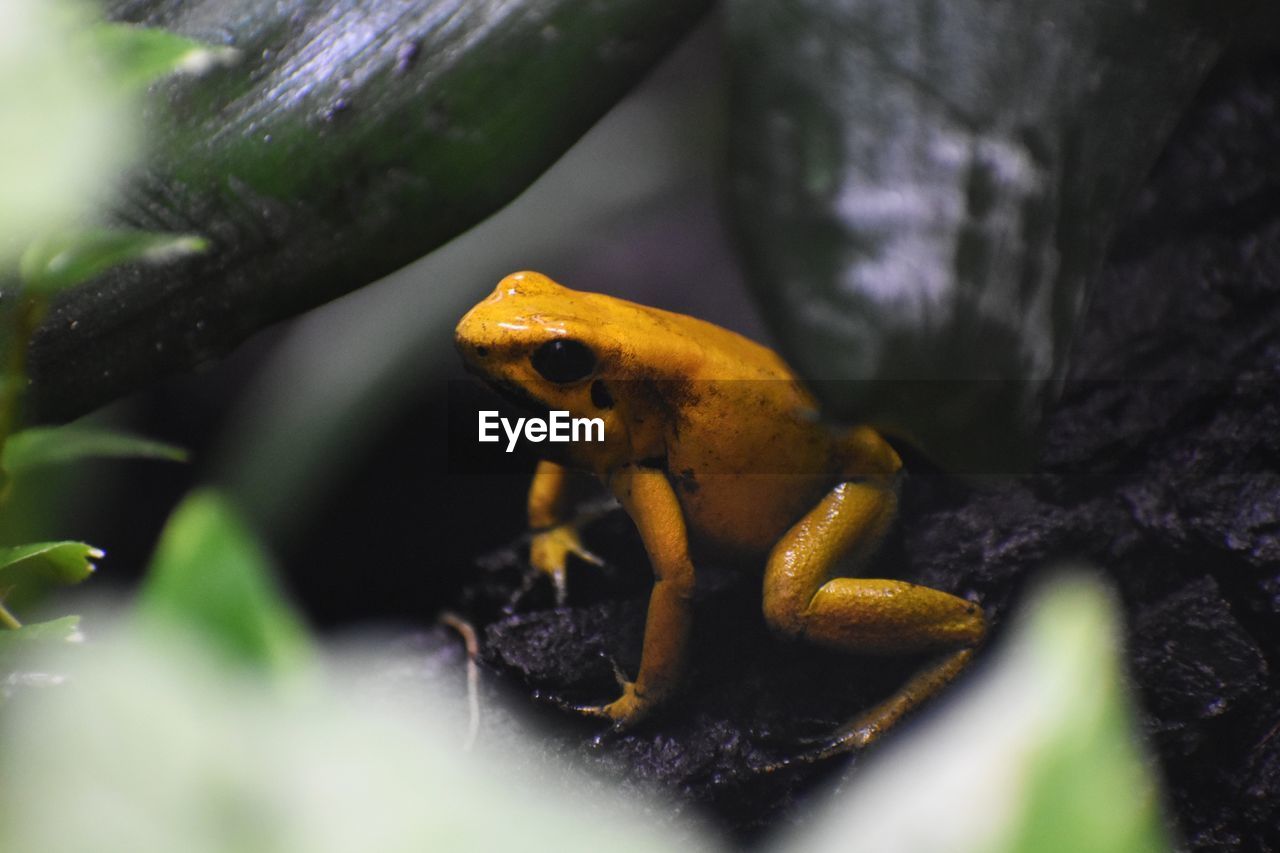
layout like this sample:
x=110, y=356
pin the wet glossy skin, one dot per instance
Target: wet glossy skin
x=710, y=440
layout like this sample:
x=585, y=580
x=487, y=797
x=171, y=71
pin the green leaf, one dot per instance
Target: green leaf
x=40, y=446
x=924, y=195
x=209, y=575
x=36, y=636
x=351, y=140
x=154, y=746
x=67, y=133
x=73, y=257
x=138, y=56
x=27, y=571
x=1089, y=786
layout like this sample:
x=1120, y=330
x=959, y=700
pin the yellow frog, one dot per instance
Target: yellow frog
x=710, y=441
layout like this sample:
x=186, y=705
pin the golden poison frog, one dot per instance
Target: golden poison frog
x=711, y=442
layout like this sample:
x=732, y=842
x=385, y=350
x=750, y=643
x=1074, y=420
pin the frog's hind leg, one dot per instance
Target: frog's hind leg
x=803, y=600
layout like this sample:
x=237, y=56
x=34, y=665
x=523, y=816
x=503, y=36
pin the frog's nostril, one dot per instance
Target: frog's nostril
x=482, y=351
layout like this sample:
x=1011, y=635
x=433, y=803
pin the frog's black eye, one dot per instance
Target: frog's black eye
x=563, y=360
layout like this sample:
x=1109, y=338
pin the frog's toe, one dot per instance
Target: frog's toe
x=811, y=750
x=549, y=552
x=597, y=711
x=858, y=735
x=587, y=556
x=560, y=583
x=852, y=737
x=624, y=712
x=619, y=675
x=600, y=712
x=549, y=549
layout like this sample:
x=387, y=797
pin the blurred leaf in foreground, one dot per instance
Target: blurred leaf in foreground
x=210, y=577
x=140, y=55
x=34, y=637
x=1039, y=752
x=155, y=745
x=63, y=138
x=69, y=258
x=28, y=571
x=41, y=446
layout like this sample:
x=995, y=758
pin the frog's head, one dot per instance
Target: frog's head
x=525, y=339
x=552, y=348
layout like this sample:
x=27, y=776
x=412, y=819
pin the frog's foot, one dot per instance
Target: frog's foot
x=625, y=711
x=866, y=728
x=549, y=552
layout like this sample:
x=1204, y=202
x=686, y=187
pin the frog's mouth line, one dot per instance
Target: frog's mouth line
x=510, y=392
x=517, y=396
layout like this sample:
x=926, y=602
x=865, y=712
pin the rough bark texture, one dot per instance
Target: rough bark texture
x=1161, y=466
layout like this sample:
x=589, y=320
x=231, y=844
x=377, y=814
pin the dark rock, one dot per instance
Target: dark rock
x=1196, y=665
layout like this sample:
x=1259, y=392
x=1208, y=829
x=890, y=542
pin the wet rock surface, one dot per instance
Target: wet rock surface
x=1161, y=467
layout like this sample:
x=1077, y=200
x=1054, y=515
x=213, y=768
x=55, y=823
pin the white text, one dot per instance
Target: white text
x=557, y=427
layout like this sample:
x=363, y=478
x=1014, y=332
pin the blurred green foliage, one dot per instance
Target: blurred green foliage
x=26, y=571
x=162, y=741
x=40, y=446
x=90, y=69
x=28, y=643
x=64, y=260
x=210, y=576
x=138, y=56
x=54, y=97
x=1090, y=785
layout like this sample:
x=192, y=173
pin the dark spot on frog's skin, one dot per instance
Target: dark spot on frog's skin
x=482, y=351
x=687, y=480
x=600, y=396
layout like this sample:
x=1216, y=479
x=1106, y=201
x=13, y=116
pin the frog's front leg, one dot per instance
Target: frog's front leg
x=647, y=496
x=555, y=537
x=803, y=600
